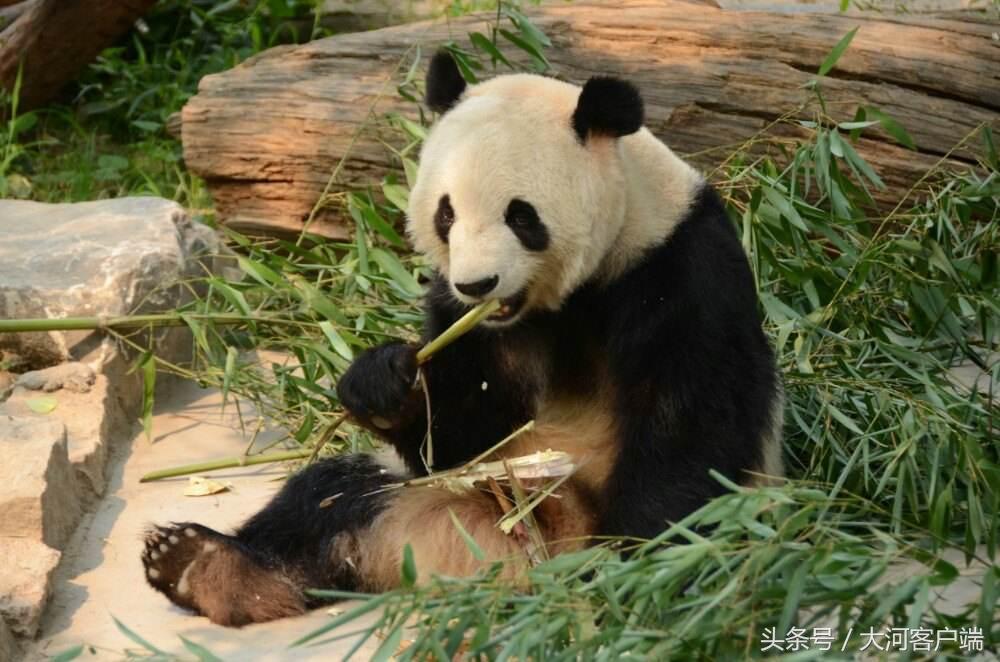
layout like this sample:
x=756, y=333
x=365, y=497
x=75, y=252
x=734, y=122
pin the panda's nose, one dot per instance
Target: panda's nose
x=480, y=288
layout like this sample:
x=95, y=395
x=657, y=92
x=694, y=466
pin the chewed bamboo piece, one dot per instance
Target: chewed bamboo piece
x=537, y=465
x=540, y=464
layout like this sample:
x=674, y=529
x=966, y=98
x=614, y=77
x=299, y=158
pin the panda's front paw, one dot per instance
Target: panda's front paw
x=379, y=389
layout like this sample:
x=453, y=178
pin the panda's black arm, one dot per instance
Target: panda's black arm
x=473, y=406
x=473, y=403
x=695, y=376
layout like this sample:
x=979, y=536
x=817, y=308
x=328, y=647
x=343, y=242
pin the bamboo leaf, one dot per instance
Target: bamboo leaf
x=786, y=208
x=845, y=420
x=464, y=65
x=531, y=49
x=390, y=265
x=397, y=195
x=315, y=299
x=483, y=43
x=390, y=645
x=989, y=599
x=199, y=651
x=470, y=542
x=136, y=638
x=336, y=341
x=260, y=272
x=44, y=404
x=796, y=587
x=831, y=60
x=235, y=298
x=892, y=127
x=408, y=570
x=527, y=27
x=383, y=227
x=68, y=654
x=370, y=604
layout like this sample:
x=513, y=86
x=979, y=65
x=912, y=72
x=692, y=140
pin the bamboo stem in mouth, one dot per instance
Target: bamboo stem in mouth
x=463, y=325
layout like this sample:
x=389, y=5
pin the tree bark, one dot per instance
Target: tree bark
x=268, y=134
x=52, y=40
x=12, y=10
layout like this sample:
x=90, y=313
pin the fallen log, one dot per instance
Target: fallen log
x=50, y=41
x=267, y=134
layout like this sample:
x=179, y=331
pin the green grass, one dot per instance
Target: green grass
x=889, y=461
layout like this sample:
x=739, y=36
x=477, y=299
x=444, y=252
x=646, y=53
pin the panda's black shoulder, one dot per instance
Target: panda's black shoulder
x=688, y=301
x=700, y=262
x=704, y=228
x=706, y=246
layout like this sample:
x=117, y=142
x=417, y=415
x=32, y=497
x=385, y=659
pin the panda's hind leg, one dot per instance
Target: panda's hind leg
x=435, y=522
x=261, y=572
x=217, y=576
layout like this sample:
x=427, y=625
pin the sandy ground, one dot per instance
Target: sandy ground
x=101, y=575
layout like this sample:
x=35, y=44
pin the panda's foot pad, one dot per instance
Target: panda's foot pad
x=216, y=576
x=171, y=554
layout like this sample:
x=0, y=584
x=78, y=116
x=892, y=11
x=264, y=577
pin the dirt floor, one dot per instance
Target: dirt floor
x=101, y=577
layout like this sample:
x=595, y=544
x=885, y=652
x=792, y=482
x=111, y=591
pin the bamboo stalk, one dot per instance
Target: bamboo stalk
x=225, y=463
x=463, y=325
x=327, y=436
x=106, y=323
x=88, y=323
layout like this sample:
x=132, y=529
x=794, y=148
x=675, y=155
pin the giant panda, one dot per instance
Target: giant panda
x=628, y=331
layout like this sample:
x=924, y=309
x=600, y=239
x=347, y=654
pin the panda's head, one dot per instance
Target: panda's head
x=520, y=193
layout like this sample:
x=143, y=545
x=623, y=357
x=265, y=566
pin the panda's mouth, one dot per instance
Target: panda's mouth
x=509, y=307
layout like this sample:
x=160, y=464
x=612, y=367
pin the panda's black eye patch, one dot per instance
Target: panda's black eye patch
x=444, y=218
x=523, y=220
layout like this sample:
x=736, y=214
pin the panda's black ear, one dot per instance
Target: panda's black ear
x=607, y=107
x=444, y=82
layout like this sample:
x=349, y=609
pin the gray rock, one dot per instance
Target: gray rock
x=96, y=259
x=39, y=499
x=26, y=567
x=74, y=376
x=969, y=378
x=8, y=647
x=95, y=423
x=91, y=259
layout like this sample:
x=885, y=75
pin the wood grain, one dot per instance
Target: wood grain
x=268, y=134
x=52, y=40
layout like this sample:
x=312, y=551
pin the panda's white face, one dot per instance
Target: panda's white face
x=509, y=203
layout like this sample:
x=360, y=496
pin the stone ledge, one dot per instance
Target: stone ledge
x=9, y=649
x=102, y=258
x=38, y=491
x=24, y=583
x=108, y=257
x=94, y=421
